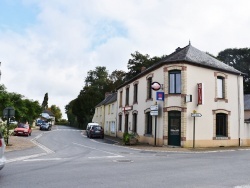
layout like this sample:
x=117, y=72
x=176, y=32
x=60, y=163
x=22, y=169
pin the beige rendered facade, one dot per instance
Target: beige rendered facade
x=192, y=82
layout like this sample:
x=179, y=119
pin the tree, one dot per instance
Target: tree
x=138, y=61
x=45, y=101
x=240, y=60
x=57, y=112
x=116, y=78
x=25, y=109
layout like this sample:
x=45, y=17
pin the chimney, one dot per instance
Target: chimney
x=143, y=69
x=177, y=49
x=107, y=94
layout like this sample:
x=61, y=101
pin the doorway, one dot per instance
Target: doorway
x=174, y=128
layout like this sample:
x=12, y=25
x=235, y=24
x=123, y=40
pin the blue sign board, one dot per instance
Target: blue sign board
x=160, y=96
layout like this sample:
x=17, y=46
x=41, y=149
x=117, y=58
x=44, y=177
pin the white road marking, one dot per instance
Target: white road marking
x=48, y=159
x=113, y=154
x=103, y=157
x=47, y=150
x=242, y=186
x=25, y=157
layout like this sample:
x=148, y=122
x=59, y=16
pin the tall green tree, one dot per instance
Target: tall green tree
x=240, y=60
x=45, y=101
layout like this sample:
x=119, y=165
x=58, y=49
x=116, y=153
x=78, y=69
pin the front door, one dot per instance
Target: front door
x=174, y=128
x=126, y=123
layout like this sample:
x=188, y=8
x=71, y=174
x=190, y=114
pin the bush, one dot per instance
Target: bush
x=128, y=138
x=4, y=129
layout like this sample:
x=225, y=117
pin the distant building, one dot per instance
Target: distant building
x=105, y=114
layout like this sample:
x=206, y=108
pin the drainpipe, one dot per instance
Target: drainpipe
x=239, y=105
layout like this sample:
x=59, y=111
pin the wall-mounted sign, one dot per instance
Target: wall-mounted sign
x=160, y=96
x=127, y=108
x=156, y=86
x=200, y=87
x=188, y=98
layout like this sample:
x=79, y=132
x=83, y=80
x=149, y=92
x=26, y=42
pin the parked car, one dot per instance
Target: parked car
x=2, y=148
x=22, y=129
x=39, y=122
x=89, y=126
x=96, y=131
x=45, y=126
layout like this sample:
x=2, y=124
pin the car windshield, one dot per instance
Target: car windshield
x=23, y=126
x=97, y=127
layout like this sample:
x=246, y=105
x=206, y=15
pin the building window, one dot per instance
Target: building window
x=149, y=90
x=148, y=123
x=175, y=82
x=220, y=87
x=120, y=123
x=134, y=128
x=127, y=96
x=135, y=93
x=109, y=110
x=221, y=125
x=120, y=102
x=112, y=109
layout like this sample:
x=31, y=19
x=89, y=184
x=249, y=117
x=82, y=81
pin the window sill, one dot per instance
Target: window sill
x=221, y=138
x=148, y=135
x=220, y=99
x=150, y=99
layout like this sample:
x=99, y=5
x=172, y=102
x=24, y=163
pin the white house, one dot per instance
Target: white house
x=200, y=103
x=105, y=114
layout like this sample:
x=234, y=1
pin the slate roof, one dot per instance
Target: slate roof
x=190, y=55
x=109, y=99
x=247, y=102
x=197, y=57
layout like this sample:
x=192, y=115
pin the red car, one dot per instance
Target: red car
x=22, y=129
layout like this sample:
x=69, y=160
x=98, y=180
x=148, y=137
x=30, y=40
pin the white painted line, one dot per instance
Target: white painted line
x=25, y=157
x=48, y=159
x=47, y=150
x=114, y=154
x=103, y=157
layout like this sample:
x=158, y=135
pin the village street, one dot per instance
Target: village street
x=64, y=157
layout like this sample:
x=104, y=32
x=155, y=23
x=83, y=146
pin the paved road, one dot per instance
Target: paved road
x=66, y=158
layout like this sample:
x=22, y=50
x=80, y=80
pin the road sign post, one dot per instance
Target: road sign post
x=154, y=112
x=8, y=113
x=194, y=115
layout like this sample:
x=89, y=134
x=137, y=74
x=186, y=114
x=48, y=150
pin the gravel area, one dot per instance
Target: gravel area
x=18, y=143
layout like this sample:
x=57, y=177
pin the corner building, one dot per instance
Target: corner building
x=192, y=82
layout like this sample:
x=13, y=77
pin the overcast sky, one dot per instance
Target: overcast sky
x=48, y=46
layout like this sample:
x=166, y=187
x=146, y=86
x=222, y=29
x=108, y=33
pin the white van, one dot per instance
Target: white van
x=89, y=126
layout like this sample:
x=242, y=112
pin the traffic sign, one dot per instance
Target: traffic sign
x=154, y=107
x=196, y=115
x=154, y=113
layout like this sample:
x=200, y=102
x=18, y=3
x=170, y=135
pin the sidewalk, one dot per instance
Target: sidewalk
x=147, y=147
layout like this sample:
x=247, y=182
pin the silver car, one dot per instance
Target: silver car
x=2, y=148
